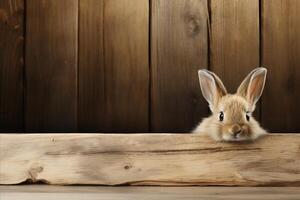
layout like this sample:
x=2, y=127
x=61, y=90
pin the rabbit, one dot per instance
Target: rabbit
x=231, y=118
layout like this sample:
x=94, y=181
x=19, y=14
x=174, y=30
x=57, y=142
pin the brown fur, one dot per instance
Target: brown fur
x=235, y=126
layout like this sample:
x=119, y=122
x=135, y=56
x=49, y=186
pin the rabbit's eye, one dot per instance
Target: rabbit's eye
x=221, y=116
x=248, y=116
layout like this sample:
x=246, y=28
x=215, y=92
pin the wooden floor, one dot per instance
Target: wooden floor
x=43, y=192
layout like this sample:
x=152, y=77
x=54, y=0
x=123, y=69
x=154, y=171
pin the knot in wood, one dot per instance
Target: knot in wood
x=127, y=167
x=192, y=25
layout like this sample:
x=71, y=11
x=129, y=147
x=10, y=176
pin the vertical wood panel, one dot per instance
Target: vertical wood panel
x=281, y=55
x=126, y=47
x=51, y=65
x=179, y=48
x=11, y=65
x=234, y=40
x=91, y=109
x=114, y=68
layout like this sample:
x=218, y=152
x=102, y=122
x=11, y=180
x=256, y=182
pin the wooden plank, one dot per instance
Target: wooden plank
x=126, y=79
x=281, y=50
x=51, y=65
x=11, y=65
x=91, y=105
x=179, y=47
x=43, y=192
x=147, y=159
x=234, y=41
x=113, y=66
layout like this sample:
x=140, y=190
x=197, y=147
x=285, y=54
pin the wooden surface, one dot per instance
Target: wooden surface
x=131, y=65
x=234, y=41
x=281, y=50
x=51, y=65
x=145, y=159
x=126, y=36
x=11, y=65
x=179, y=48
x=114, y=68
x=91, y=69
x=40, y=192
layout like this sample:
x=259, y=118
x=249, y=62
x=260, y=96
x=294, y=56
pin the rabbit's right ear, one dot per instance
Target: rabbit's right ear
x=211, y=86
x=253, y=85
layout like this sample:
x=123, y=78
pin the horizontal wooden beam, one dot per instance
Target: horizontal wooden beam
x=47, y=192
x=148, y=159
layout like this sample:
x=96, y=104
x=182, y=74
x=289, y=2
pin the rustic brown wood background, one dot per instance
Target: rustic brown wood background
x=131, y=65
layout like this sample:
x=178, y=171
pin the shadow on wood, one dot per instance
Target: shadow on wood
x=148, y=159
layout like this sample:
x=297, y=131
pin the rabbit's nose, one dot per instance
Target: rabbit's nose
x=236, y=129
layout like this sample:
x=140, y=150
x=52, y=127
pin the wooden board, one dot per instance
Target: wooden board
x=281, y=50
x=11, y=65
x=147, y=159
x=126, y=79
x=91, y=104
x=234, y=41
x=51, y=65
x=179, y=47
x=42, y=192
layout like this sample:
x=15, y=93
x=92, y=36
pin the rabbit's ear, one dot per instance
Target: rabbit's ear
x=211, y=86
x=253, y=85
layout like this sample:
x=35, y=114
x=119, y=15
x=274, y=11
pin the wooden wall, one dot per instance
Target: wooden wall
x=131, y=65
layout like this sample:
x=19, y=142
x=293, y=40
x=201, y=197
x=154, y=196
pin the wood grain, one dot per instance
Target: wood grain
x=179, y=48
x=145, y=159
x=281, y=50
x=11, y=65
x=91, y=105
x=51, y=65
x=126, y=79
x=42, y=192
x=234, y=41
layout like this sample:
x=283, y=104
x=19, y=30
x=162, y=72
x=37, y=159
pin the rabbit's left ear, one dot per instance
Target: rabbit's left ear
x=253, y=85
x=212, y=87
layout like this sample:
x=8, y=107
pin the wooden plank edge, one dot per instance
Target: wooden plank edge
x=148, y=159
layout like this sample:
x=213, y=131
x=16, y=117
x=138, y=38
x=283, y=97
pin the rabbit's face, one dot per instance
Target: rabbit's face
x=231, y=120
x=233, y=116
